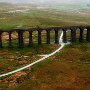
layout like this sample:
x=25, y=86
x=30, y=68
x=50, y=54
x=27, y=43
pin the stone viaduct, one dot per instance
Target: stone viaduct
x=72, y=30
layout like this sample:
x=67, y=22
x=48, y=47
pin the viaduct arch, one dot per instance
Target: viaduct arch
x=72, y=29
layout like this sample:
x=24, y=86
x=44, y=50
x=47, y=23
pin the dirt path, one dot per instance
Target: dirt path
x=44, y=58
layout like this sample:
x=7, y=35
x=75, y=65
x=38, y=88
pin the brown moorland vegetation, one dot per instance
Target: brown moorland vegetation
x=68, y=70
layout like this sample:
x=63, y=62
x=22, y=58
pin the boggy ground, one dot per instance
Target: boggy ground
x=68, y=70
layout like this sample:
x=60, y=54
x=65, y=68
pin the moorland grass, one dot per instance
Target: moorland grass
x=41, y=18
x=66, y=70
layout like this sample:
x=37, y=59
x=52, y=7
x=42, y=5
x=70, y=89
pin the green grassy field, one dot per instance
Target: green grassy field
x=42, y=18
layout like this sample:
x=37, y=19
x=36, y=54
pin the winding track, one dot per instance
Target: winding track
x=44, y=58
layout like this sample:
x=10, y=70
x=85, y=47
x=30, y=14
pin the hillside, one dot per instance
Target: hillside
x=30, y=15
x=66, y=70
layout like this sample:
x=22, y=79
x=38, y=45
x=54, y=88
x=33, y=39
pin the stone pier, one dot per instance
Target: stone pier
x=88, y=34
x=10, y=40
x=56, y=37
x=39, y=37
x=30, y=38
x=81, y=37
x=0, y=39
x=48, y=36
x=73, y=34
x=64, y=35
x=20, y=39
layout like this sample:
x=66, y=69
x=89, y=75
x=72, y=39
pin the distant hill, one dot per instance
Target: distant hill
x=75, y=7
x=5, y=4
